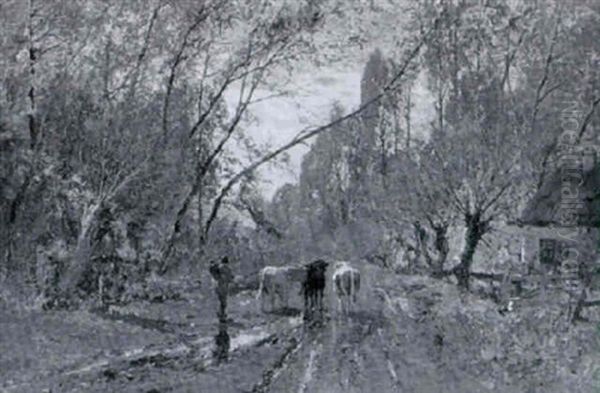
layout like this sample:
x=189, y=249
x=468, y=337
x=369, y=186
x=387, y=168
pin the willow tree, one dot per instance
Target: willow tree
x=183, y=58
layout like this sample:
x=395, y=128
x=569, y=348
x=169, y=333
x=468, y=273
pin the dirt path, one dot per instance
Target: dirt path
x=344, y=357
x=372, y=350
x=394, y=341
x=133, y=362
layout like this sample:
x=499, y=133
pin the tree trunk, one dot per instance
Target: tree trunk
x=586, y=274
x=32, y=50
x=475, y=231
x=577, y=317
x=81, y=256
x=442, y=247
x=202, y=234
x=196, y=190
x=407, y=119
x=5, y=248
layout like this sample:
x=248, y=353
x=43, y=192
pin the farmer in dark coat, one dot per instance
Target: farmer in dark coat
x=221, y=272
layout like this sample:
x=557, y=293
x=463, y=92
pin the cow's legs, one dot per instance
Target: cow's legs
x=262, y=302
x=266, y=297
x=314, y=302
x=273, y=299
x=318, y=300
x=284, y=295
x=307, y=301
x=348, y=305
x=279, y=296
x=321, y=300
x=318, y=303
x=347, y=302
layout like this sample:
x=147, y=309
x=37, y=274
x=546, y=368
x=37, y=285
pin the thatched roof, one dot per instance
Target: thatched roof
x=551, y=203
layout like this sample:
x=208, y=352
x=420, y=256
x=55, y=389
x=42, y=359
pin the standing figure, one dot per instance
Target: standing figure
x=221, y=272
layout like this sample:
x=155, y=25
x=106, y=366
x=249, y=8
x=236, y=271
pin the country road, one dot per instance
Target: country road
x=406, y=334
x=349, y=353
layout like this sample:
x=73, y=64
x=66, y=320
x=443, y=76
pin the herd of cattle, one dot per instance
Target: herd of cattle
x=278, y=284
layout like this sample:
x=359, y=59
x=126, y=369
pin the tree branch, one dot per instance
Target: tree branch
x=179, y=57
x=259, y=218
x=587, y=119
x=142, y=55
x=305, y=135
x=539, y=97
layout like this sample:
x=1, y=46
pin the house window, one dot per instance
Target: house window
x=550, y=252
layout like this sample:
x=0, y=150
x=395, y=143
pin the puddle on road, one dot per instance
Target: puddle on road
x=243, y=340
x=310, y=368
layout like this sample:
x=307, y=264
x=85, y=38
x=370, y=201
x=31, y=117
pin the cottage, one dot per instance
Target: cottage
x=560, y=229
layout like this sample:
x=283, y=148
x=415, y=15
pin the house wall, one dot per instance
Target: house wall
x=516, y=250
x=579, y=244
x=518, y=247
x=504, y=249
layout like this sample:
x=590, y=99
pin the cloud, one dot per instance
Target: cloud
x=313, y=93
x=279, y=119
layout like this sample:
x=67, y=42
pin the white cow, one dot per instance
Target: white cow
x=277, y=283
x=346, y=281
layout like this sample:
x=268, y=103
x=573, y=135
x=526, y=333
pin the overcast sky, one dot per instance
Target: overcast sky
x=279, y=119
x=315, y=89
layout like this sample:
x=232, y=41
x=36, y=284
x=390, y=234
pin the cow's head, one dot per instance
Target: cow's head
x=320, y=265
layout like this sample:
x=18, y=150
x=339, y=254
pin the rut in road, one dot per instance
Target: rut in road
x=310, y=368
x=297, y=342
x=336, y=357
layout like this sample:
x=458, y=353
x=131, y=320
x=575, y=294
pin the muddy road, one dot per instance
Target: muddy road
x=406, y=334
